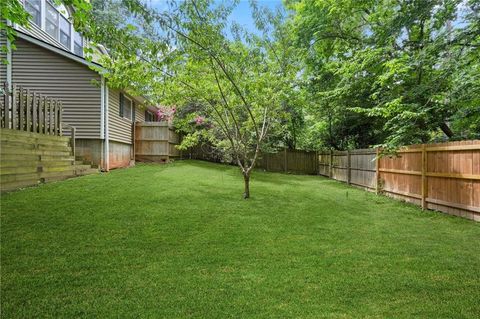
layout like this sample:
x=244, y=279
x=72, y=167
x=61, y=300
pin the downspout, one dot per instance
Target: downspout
x=106, y=145
x=9, y=60
x=102, y=113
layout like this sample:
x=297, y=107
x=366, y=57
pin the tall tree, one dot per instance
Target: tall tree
x=395, y=61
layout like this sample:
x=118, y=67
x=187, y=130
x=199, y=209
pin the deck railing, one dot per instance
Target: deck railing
x=26, y=110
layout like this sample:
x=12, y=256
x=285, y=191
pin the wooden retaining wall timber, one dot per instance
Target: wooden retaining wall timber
x=29, y=158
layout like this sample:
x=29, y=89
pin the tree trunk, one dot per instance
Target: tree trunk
x=446, y=129
x=246, y=179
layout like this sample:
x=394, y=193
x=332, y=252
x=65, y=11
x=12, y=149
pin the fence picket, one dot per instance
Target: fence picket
x=55, y=118
x=51, y=110
x=34, y=112
x=21, y=108
x=14, y=107
x=28, y=117
x=45, y=115
x=60, y=115
x=6, y=107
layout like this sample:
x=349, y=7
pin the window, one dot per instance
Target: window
x=126, y=107
x=54, y=19
x=64, y=32
x=149, y=117
x=77, y=43
x=33, y=7
x=51, y=20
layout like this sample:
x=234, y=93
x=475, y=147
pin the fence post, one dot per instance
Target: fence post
x=377, y=171
x=29, y=112
x=348, y=167
x=7, y=106
x=34, y=113
x=330, y=166
x=14, y=107
x=424, y=177
x=317, y=164
x=60, y=121
x=72, y=142
x=21, y=109
x=286, y=161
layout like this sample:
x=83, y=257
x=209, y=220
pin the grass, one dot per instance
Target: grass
x=177, y=241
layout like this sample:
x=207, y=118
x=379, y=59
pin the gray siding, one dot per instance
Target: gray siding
x=38, y=33
x=139, y=113
x=57, y=76
x=3, y=58
x=120, y=129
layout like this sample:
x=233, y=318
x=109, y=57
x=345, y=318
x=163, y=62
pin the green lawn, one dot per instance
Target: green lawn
x=178, y=241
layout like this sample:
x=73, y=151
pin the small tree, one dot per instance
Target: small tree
x=231, y=88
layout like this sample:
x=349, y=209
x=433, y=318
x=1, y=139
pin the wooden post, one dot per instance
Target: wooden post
x=133, y=142
x=349, y=171
x=72, y=142
x=424, y=177
x=29, y=113
x=7, y=106
x=51, y=107
x=14, y=107
x=40, y=99
x=60, y=120
x=286, y=160
x=45, y=115
x=377, y=171
x=330, y=167
x=55, y=118
x=21, y=109
x=34, y=113
x=317, y=164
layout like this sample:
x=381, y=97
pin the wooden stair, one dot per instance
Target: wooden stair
x=28, y=159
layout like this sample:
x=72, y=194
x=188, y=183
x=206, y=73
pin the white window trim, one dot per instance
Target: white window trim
x=43, y=19
x=42, y=14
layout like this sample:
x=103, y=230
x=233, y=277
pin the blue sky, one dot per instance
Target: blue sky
x=241, y=14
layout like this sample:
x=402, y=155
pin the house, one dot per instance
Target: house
x=49, y=59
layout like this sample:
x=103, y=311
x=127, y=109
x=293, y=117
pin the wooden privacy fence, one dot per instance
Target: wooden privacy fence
x=289, y=161
x=155, y=142
x=444, y=177
x=25, y=110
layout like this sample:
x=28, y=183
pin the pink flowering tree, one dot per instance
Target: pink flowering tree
x=166, y=113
